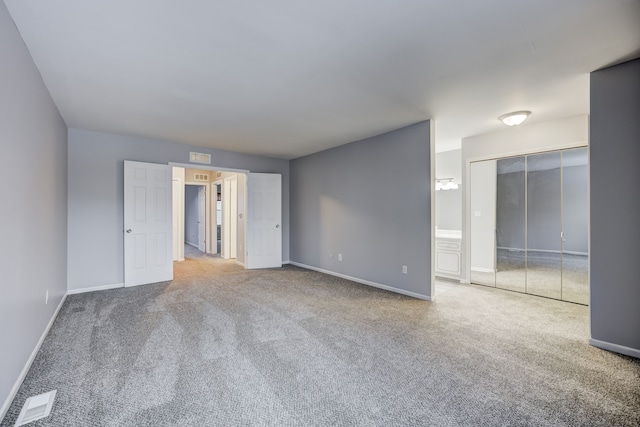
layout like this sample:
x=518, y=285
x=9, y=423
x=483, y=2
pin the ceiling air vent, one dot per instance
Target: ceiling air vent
x=200, y=158
x=203, y=177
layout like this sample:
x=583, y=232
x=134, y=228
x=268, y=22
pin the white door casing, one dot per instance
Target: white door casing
x=147, y=223
x=230, y=217
x=233, y=218
x=264, y=236
x=226, y=189
x=175, y=221
x=178, y=212
x=202, y=218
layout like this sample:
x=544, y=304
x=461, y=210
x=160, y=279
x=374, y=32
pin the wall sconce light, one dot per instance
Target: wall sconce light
x=446, y=184
x=515, y=118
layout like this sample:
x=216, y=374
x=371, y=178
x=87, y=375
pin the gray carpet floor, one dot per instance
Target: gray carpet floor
x=290, y=347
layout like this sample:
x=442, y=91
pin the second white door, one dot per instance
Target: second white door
x=264, y=239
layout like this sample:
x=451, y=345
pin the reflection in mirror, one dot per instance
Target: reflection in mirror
x=543, y=225
x=482, y=189
x=510, y=225
x=575, y=208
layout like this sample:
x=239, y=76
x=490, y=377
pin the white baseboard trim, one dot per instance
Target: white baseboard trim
x=447, y=276
x=364, y=282
x=195, y=245
x=240, y=263
x=27, y=366
x=286, y=262
x=616, y=348
x=483, y=270
x=95, y=288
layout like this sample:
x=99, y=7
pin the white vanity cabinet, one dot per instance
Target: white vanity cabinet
x=448, y=254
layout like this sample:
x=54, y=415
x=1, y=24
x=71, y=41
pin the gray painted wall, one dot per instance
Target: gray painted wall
x=370, y=201
x=96, y=197
x=33, y=145
x=615, y=227
x=191, y=214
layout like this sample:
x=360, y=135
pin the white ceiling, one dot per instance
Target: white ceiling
x=287, y=77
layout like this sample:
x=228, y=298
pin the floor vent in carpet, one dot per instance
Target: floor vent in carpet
x=36, y=407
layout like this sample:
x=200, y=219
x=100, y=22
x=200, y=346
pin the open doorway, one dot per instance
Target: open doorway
x=448, y=220
x=195, y=216
x=154, y=219
x=217, y=186
x=208, y=213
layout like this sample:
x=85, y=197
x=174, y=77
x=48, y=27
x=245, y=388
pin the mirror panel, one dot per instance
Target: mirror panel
x=511, y=267
x=544, y=225
x=482, y=181
x=575, y=226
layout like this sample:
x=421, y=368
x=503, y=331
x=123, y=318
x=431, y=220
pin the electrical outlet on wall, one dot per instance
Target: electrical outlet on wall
x=404, y=269
x=339, y=257
x=46, y=297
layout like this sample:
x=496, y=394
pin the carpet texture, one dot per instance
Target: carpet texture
x=289, y=347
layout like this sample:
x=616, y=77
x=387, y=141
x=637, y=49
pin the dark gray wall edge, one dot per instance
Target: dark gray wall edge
x=627, y=351
x=615, y=229
x=369, y=200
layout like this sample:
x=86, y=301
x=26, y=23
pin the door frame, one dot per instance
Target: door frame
x=228, y=249
x=242, y=242
x=207, y=219
x=214, y=216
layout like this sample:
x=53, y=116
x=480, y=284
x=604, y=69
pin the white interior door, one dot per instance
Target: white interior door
x=202, y=194
x=264, y=237
x=147, y=223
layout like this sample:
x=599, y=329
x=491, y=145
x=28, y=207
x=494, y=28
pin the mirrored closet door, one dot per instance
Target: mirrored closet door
x=511, y=218
x=529, y=224
x=575, y=226
x=544, y=225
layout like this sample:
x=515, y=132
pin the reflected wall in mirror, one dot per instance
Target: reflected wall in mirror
x=511, y=264
x=544, y=225
x=575, y=226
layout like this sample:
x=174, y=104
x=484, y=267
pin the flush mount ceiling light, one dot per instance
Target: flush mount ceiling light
x=446, y=184
x=515, y=118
